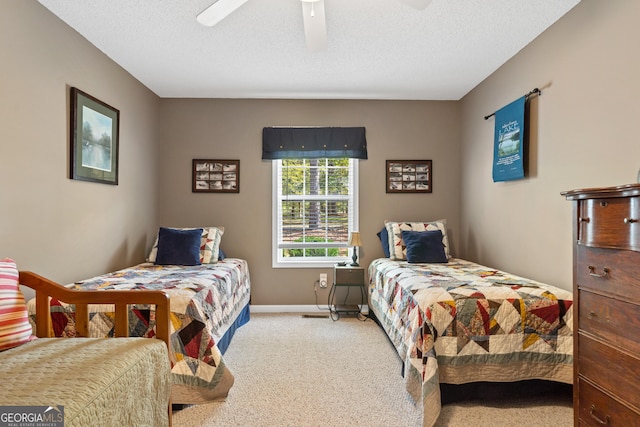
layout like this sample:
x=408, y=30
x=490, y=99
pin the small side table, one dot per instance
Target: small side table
x=347, y=276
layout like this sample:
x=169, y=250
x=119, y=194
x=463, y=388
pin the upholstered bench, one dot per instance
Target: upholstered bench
x=98, y=381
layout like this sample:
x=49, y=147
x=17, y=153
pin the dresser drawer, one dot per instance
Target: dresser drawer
x=612, y=370
x=598, y=409
x=609, y=223
x=613, y=321
x=615, y=272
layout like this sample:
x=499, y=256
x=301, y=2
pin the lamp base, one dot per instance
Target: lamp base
x=355, y=258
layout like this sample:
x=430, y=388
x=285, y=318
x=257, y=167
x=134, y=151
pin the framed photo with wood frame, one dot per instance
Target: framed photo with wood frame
x=409, y=176
x=215, y=176
x=95, y=128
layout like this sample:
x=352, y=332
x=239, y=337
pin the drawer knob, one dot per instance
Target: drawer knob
x=600, y=421
x=630, y=220
x=594, y=316
x=605, y=272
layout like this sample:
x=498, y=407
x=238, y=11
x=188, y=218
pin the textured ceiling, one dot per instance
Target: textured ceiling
x=377, y=49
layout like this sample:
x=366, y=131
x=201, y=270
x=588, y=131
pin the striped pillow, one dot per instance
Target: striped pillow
x=15, y=328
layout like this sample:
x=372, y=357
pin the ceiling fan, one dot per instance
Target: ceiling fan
x=315, y=27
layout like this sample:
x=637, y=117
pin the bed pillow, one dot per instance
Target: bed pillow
x=397, y=248
x=178, y=247
x=15, y=328
x=209, y=245
x=424, y=246
x=383, y=235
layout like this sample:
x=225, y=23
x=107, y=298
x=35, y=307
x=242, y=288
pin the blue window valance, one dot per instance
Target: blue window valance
x=313, y=142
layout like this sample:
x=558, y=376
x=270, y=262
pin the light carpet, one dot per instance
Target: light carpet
x=295, y=371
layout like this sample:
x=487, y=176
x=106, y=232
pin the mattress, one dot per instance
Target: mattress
x=123, y=381
x=461, y=322
x=206, y=300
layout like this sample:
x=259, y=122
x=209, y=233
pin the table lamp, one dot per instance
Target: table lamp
x=354, y=240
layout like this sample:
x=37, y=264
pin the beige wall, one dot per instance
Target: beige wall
x=583, y=134
x=61, y=228
x=232, y=129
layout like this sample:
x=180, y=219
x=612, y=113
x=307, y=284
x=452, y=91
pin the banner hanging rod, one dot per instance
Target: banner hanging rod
x=531, y=92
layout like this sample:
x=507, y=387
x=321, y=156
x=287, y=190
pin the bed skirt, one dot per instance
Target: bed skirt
x=243, y=317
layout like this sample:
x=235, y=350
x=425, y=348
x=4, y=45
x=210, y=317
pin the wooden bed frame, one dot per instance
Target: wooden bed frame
x=46, y=289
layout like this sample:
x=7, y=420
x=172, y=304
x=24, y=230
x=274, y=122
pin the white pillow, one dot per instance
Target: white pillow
x=209, y=245
x=397, y=248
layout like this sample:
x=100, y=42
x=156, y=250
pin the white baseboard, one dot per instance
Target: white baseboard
x=287, y=309
x=294, y=309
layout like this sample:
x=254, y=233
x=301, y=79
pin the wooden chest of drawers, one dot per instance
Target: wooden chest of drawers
x=606, y=287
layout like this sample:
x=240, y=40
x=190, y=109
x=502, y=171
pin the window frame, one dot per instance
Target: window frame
x=318, y=262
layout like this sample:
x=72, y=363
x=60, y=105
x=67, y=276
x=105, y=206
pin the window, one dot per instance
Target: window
x=314, y=210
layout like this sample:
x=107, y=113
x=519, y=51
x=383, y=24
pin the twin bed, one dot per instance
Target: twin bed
x=457, y=322
x=451, y=321
x=208, y=302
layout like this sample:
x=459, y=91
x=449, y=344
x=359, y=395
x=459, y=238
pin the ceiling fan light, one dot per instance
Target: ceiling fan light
x=315, y=27
x=218, y=11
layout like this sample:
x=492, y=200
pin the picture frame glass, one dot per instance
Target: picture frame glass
x=409, y=176
x=94, y=139
x=215, y=176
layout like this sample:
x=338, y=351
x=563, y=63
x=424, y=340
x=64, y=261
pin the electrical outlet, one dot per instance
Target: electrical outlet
x=323, y=280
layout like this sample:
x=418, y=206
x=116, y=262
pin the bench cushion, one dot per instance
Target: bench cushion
x=106, y=381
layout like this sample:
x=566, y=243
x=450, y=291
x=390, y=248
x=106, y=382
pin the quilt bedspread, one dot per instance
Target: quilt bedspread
x=462, y=322
x=205, y=300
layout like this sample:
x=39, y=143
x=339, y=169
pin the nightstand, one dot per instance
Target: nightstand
x=347, y=276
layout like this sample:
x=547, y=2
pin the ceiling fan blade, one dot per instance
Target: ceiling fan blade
x=218, y=11
x=417, y=4
x=315, y=24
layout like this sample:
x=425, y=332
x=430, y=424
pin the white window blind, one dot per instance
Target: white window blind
x=315, y=209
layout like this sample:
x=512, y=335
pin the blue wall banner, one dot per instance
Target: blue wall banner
x=508, y=148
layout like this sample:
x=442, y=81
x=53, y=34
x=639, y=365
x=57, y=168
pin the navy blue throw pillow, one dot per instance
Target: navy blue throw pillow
x=424, y=246
x=383, y=235
x=178, y=247
x=221, y=255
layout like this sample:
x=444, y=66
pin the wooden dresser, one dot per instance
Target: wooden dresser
x=606, y=287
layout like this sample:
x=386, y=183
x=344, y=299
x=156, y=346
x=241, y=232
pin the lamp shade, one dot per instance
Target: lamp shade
x=354, y=239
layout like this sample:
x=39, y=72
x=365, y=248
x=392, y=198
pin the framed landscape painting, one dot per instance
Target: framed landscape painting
x=94, y=133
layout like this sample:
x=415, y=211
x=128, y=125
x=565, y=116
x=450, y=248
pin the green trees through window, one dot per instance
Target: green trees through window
x=315, y=207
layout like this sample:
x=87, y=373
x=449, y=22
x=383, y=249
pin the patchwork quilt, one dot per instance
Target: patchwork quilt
x=205, y=301
x=462, y=322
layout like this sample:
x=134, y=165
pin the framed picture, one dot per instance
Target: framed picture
x=409, y=176
x=216, y=176
x=94, y=134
